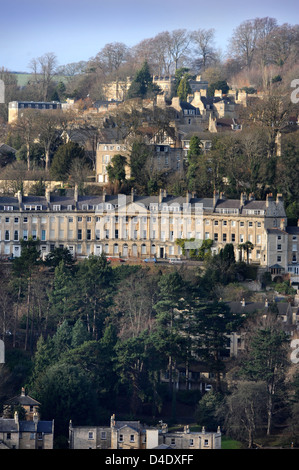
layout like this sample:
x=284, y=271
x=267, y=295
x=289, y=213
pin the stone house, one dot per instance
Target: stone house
x=116, y=90
x=30, y=405
x=138, y=226
x=283, y=252
x=35, y=434
x=166, y=83
x=16, y=108
x=134, y=435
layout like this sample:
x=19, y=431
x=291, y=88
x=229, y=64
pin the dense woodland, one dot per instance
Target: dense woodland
x=89, y=339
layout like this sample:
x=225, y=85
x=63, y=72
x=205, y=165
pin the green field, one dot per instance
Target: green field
x=23, y=78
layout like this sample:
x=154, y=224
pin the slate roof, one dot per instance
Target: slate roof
x=8, y=425
x=68, y=200
x=4, y=148
x=24, y=400
x=42, y=426
x=250, y=307
x=135, y=425
x=292, y=230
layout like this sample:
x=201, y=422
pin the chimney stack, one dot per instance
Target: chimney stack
x=48, y=195
x=20, y=197
x=282, y=224
x=76, y=193
x=16, y=417
x=160, y=195
x=243, y=302
x=269, y=198
x=132, y=195
x=243, y=199
x=215, y=198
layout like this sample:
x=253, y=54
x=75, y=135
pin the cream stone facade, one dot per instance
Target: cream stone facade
x=105, y=153
x=16, y=108
x=133, y=226
x=35, y=434
x=117, y=90
x=29, y=404
x=166, y=84
x=134, y=435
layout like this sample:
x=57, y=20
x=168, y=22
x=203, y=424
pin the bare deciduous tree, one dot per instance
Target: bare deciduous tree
x=178, y=44
x=44, y=70
x=49, y=124
x=204, y=42
x=26, y=126
x=112, y=57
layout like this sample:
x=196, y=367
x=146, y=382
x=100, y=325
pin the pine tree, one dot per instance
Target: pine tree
x=184, y=88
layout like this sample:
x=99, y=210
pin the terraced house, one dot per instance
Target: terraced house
x=133, y=226
x=135, y=435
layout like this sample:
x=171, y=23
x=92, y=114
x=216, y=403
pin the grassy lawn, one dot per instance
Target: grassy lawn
x=228, y=443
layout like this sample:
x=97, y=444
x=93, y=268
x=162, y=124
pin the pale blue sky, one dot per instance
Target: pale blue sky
x=77, y=29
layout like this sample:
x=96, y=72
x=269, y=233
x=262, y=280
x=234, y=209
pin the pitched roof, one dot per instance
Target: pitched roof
x=135, y=425
x=250, y=307
x=24, y=400
x=4, y=148
x=8, y=425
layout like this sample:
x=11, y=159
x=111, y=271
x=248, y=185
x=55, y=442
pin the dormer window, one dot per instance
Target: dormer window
x=56, y=207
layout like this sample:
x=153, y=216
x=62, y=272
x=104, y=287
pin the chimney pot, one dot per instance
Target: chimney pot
x=132, y=195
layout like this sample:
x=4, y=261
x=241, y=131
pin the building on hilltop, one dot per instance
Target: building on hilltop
x=16, y=108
